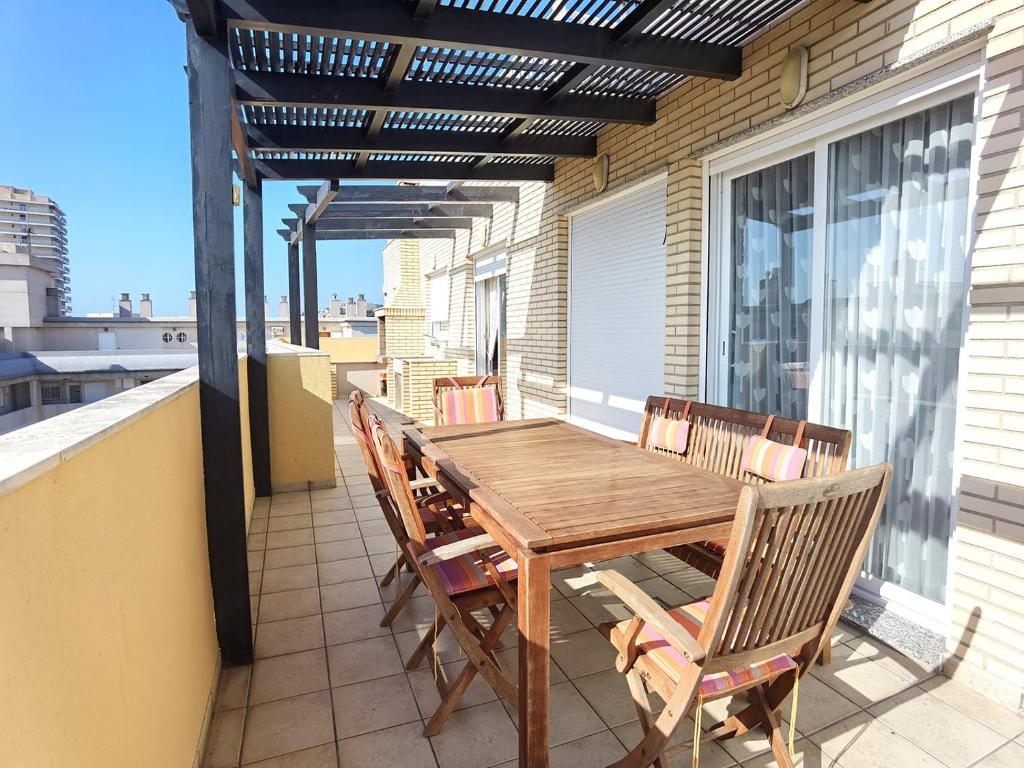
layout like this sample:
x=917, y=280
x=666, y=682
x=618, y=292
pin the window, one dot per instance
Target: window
x=439, y=286
x=839, y=294
x=182, y=337
x=168, y=338
x=490, y=324
x=74, y=393
x=52, y=394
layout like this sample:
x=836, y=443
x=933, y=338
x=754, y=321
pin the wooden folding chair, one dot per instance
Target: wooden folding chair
x=793, y=556
x=467, y=400
x=435, y=508
x=464, y=571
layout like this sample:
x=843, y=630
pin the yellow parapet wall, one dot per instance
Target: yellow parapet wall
x=107, y=640
x=359, y=349
x=301, y=418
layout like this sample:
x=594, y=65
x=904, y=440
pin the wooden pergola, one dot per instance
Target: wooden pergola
x=447, y=90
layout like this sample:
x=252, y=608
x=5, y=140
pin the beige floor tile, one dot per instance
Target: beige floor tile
x=339, y=532
x=281, y=677
x=844, y=631
x=258, y=524
x=427, y=697
x=363, y=500
x=944, y=732
x=384, y=542
x=819, y=705
x=254, y=542
x=292, y=604
x=381, y=563
x=374, y=527
x=339, y=571
x=334, y=504
x=711, y=754
x=224, y=739
x=279, y=539
x=891, y=659
x=290, y=636
x=418, y=613
x=574, y=581
x=286, y=509
x=752, y=743
x=290, y=522
x=477, y=737
x=861, y=741
x=608, y=693
x=858, y=678
x=372, y=705
x=1008, y=756
x=350, y=594
x=233, y=688
x=367, y=514
x=255, y=580
x=289, y=556
x=599, y=605
x=288, y=579
x=402, y=746
x=255, y=560
x=508, y=660
x=806, y=756
x=692, y=582
x=447, y=646
x=331, y=493
x=289, y=725
x=583, y=653
x=661, y=562
x=335, y=517
x=571, y=716
x=392, y=590
x=323, y=756
x=345, y=549
x=261, y=509
x=1001, y=719
x=363, y=660
x=596, y=750
x=354, y=624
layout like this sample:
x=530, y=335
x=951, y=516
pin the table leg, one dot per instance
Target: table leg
x=534, y=659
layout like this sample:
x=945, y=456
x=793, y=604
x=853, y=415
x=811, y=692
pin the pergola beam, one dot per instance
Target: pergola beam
x=389, y=234
x=375, y=224
x=400, y=211
x=473, y=30
x=419, y=193
x=283, y=170
x=324, y=195
x=283, y=89
x=293, y=138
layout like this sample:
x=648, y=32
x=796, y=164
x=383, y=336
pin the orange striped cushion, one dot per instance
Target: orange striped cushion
x=470, y=405
x=668, y=434
x=466, y=573
x=672, y=662
x=771, y=460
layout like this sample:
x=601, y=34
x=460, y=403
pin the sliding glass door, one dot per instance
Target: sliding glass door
x=841, y=297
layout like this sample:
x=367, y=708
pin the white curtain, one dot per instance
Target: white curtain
x=894, y=316
x=490, y=323
x=772, y=212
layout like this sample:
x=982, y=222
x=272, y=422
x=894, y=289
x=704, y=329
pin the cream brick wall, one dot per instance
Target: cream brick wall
x=847, y=40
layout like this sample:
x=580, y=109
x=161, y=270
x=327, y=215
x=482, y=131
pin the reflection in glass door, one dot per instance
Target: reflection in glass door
x=769, y=297
x=896, y=294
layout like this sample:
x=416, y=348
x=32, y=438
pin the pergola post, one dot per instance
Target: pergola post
x=309, y=294
x=209, y=91
x=256, y=336
x=294, y=297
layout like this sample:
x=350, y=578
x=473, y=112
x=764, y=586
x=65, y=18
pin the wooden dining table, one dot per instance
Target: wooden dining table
x=554, y=495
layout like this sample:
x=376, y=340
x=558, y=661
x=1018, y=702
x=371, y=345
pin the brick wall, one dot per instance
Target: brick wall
x=847, y=40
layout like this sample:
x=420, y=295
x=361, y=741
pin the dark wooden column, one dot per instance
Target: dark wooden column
x=294, y=297
x=256, y=336
x=309, y=286
x=209, y=97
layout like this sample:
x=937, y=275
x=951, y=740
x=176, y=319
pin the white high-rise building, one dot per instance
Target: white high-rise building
x=34, y=226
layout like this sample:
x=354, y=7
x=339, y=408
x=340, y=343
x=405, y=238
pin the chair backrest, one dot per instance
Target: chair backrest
x=392, y=469
x=828, y=448
x=665, y=426
x=718, y=436
x=357, y=414
x=793, y=556
x=468, y=400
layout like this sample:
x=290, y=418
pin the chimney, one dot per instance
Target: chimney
x=52, y=302
x=282, y=307
x=350, y=308
x=145, y=306
x=192, y=304
x=361, y=306
x=266, y=307
x=124, y=306
x=335, y=306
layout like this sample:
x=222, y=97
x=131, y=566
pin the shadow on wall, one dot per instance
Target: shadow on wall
x=301, y=421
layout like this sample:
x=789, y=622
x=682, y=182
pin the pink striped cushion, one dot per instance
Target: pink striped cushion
x=672, y=662
x=466, y=573
x=470, y=405
x=771, y=460
x=668, y=434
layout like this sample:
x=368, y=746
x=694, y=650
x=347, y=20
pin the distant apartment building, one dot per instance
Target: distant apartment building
x=33, y=229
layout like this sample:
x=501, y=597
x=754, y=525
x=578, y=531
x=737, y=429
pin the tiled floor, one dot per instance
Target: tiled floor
x=328, y=688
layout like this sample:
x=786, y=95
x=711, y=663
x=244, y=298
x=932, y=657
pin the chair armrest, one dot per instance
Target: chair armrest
x=457, y=549
x=647, y=609
x=433, y=498
x=426, y=482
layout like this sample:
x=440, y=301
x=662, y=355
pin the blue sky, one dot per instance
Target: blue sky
x=96, y=117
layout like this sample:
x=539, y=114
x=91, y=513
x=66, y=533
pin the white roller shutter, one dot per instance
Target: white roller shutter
x=617, y=310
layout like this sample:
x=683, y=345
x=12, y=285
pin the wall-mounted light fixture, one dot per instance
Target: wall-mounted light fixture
x=793, y=77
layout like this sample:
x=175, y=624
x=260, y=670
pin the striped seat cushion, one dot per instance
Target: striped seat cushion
x=716, y=545
x=672, y=662
x=466, y=573
x=668, y=434
x=771, y=460
x=470, y=405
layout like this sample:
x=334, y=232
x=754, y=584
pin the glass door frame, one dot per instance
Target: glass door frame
x=813, y=134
